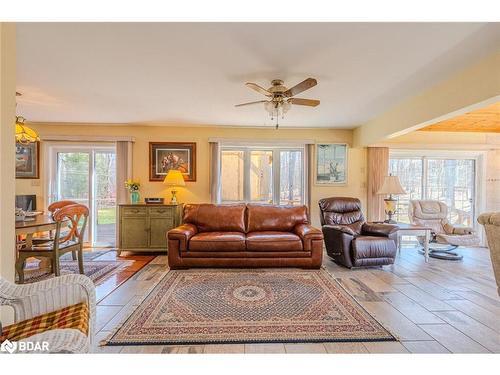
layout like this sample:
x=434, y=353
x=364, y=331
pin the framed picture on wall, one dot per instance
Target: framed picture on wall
x=164, y=156
x=28, y=160
x=331, y=164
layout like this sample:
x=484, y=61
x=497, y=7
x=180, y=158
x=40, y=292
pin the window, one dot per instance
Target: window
x=449, y=180
x=270, y=175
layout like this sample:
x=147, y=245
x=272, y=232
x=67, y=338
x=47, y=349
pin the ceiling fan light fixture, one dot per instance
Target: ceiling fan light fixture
x=286, y=106
x=280, y=98
x=269, y=107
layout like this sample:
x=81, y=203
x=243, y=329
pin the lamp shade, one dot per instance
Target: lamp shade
x=25, y=134
x=174, y=178
x=391, y=185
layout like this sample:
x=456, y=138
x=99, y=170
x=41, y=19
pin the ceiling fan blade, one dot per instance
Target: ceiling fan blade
x=250, y=103
x=302, y=86
x=258, y=88
x=308, y=102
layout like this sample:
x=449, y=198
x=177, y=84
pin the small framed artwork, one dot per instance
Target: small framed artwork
x=164, y=156
x=331, y=164
x=28, y=160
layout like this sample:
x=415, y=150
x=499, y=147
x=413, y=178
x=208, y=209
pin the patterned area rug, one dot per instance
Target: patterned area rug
x=248, y=306
x=98, y=270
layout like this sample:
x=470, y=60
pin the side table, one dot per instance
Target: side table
x=415, y=230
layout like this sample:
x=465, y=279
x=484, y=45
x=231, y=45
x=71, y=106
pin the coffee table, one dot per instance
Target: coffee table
x=415, y=230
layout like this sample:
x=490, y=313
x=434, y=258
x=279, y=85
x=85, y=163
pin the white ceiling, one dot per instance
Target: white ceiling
x=185, y=73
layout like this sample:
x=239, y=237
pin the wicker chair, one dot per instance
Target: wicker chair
x=433, y=214
x=491, y=222
x=33, y=300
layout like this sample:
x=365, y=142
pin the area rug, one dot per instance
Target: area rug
x=97, y=270
x=248, y=306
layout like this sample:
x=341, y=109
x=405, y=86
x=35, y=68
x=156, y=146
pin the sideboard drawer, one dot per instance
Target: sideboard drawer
x=134, y=211
x=162, y=211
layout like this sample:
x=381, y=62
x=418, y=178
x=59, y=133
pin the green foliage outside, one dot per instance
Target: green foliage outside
x=106, y=216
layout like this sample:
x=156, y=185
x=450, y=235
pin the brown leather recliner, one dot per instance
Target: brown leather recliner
x=350, y=240
x=244, y=235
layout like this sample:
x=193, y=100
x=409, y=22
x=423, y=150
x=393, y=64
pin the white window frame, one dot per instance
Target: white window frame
x=276, y=154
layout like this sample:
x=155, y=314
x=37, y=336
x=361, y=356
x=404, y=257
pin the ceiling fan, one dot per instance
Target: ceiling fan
x=280, y=98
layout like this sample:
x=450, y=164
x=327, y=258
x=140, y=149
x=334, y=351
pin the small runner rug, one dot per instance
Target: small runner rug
x=97, y=270
x=248, y=306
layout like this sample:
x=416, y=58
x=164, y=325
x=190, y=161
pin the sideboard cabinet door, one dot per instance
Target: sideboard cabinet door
x=134, y=232
x=158, y=233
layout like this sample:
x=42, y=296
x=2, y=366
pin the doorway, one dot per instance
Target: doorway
x=87, y=174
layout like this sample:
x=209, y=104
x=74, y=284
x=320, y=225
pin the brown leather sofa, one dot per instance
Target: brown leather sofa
x=244, y=235
x=350, y=240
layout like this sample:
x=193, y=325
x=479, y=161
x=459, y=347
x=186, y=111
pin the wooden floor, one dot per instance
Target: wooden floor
x=435, y=307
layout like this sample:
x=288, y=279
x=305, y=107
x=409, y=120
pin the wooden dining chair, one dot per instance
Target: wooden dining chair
x=74, y=217
x=53, y=207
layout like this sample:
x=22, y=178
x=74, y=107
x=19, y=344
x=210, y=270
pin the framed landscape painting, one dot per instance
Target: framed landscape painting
x=28, y=160
x=164, y=156
x=331, y=164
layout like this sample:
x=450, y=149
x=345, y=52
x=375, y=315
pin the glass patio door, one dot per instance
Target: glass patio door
x=87, y=175
x=452, y=181
x=449, y=180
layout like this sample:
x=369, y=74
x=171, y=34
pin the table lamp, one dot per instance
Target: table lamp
x=174, y=178
x=391, y=186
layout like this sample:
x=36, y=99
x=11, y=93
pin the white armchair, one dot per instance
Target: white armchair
x=434, y=214
x=31, y=300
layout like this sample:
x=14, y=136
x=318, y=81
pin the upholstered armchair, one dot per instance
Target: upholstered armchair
x=63, y=332
x=350, y=240
x=491, y=222
x=434, y=214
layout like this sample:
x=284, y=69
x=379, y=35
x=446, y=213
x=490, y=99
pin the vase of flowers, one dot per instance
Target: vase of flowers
x=133, y=188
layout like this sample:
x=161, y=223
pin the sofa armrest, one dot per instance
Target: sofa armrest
x=378, y=229
x=489, y=218
x=308, y=234
x=183, y=234
x=307, y=230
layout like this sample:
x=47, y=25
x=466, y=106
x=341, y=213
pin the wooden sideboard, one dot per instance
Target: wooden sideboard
x=144, y=227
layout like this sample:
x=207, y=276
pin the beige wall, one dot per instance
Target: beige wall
x=199, y=191
x=493, y=181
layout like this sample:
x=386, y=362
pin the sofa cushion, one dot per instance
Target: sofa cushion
x=217, y=241
x=74, y=317
x=273, y=241
x=262, y=217
x=216, y=217
x=373, y=247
